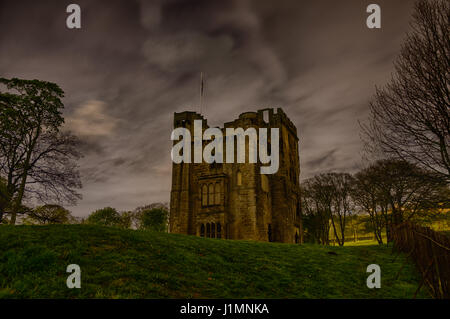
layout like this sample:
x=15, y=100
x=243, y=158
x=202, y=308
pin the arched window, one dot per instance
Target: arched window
x=213, y=230
x=217, y=194
x=239, y=178
x=211, y=194
x=202, y=230
x=204, y=195
x=208, y=230
x=219, y=231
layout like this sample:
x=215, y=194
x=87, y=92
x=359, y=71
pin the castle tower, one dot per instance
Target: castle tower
x=234, y=200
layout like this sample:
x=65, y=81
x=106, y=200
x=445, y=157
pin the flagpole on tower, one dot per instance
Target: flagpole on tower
x=201, y=91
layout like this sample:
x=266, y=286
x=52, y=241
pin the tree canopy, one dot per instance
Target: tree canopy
x=36, y=159
x=154, y=219
x=107, y=216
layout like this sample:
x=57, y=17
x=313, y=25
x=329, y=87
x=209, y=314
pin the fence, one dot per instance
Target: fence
x=431, y=253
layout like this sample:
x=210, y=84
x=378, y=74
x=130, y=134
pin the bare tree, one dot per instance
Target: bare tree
x=370, y=200
x=409, y=117
x=316, y=215
x=406, y=188
x=53, y=173
x=342, y=203
x=394, y=191
x=50, y=214
x=327, y=202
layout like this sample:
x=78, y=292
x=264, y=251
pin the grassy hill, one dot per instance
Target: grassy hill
x=139, y=264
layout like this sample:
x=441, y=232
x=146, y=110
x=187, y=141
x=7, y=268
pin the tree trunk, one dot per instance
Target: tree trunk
x=335, y=231
x=19, y=197
x=18, y=200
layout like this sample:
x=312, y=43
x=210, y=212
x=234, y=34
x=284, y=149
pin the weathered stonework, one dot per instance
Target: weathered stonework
x=234, y=200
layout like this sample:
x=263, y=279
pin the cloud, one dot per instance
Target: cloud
x=91, y=119
x=134, y=63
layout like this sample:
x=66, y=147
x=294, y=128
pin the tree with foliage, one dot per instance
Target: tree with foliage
x=36, y=159
x=126, y=219
x=410, y=116
x=107, y=216
x=50, y=214
x=137, y=214
x=155, y=219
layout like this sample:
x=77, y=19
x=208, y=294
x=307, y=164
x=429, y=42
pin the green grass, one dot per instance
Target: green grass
x=361, y=243
x=140, y=264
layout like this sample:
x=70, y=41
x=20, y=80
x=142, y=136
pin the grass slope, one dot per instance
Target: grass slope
x=139, y=264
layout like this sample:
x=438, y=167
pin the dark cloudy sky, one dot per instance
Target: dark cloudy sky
x=134, y=63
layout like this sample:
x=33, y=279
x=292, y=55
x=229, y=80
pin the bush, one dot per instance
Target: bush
x=107, y=216
x=154, y=219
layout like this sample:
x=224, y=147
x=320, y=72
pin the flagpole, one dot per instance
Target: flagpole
x=201, y=91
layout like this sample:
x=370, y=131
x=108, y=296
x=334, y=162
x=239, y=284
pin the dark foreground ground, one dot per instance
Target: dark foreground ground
x=119, y=263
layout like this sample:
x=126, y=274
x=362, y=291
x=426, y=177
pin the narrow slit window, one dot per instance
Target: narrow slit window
x=211, y=194
x=208, y=230
x=204, y=195
x=219, y=231
x=217, y=194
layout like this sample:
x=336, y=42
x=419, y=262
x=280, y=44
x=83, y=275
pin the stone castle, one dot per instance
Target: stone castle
x=234, y=200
